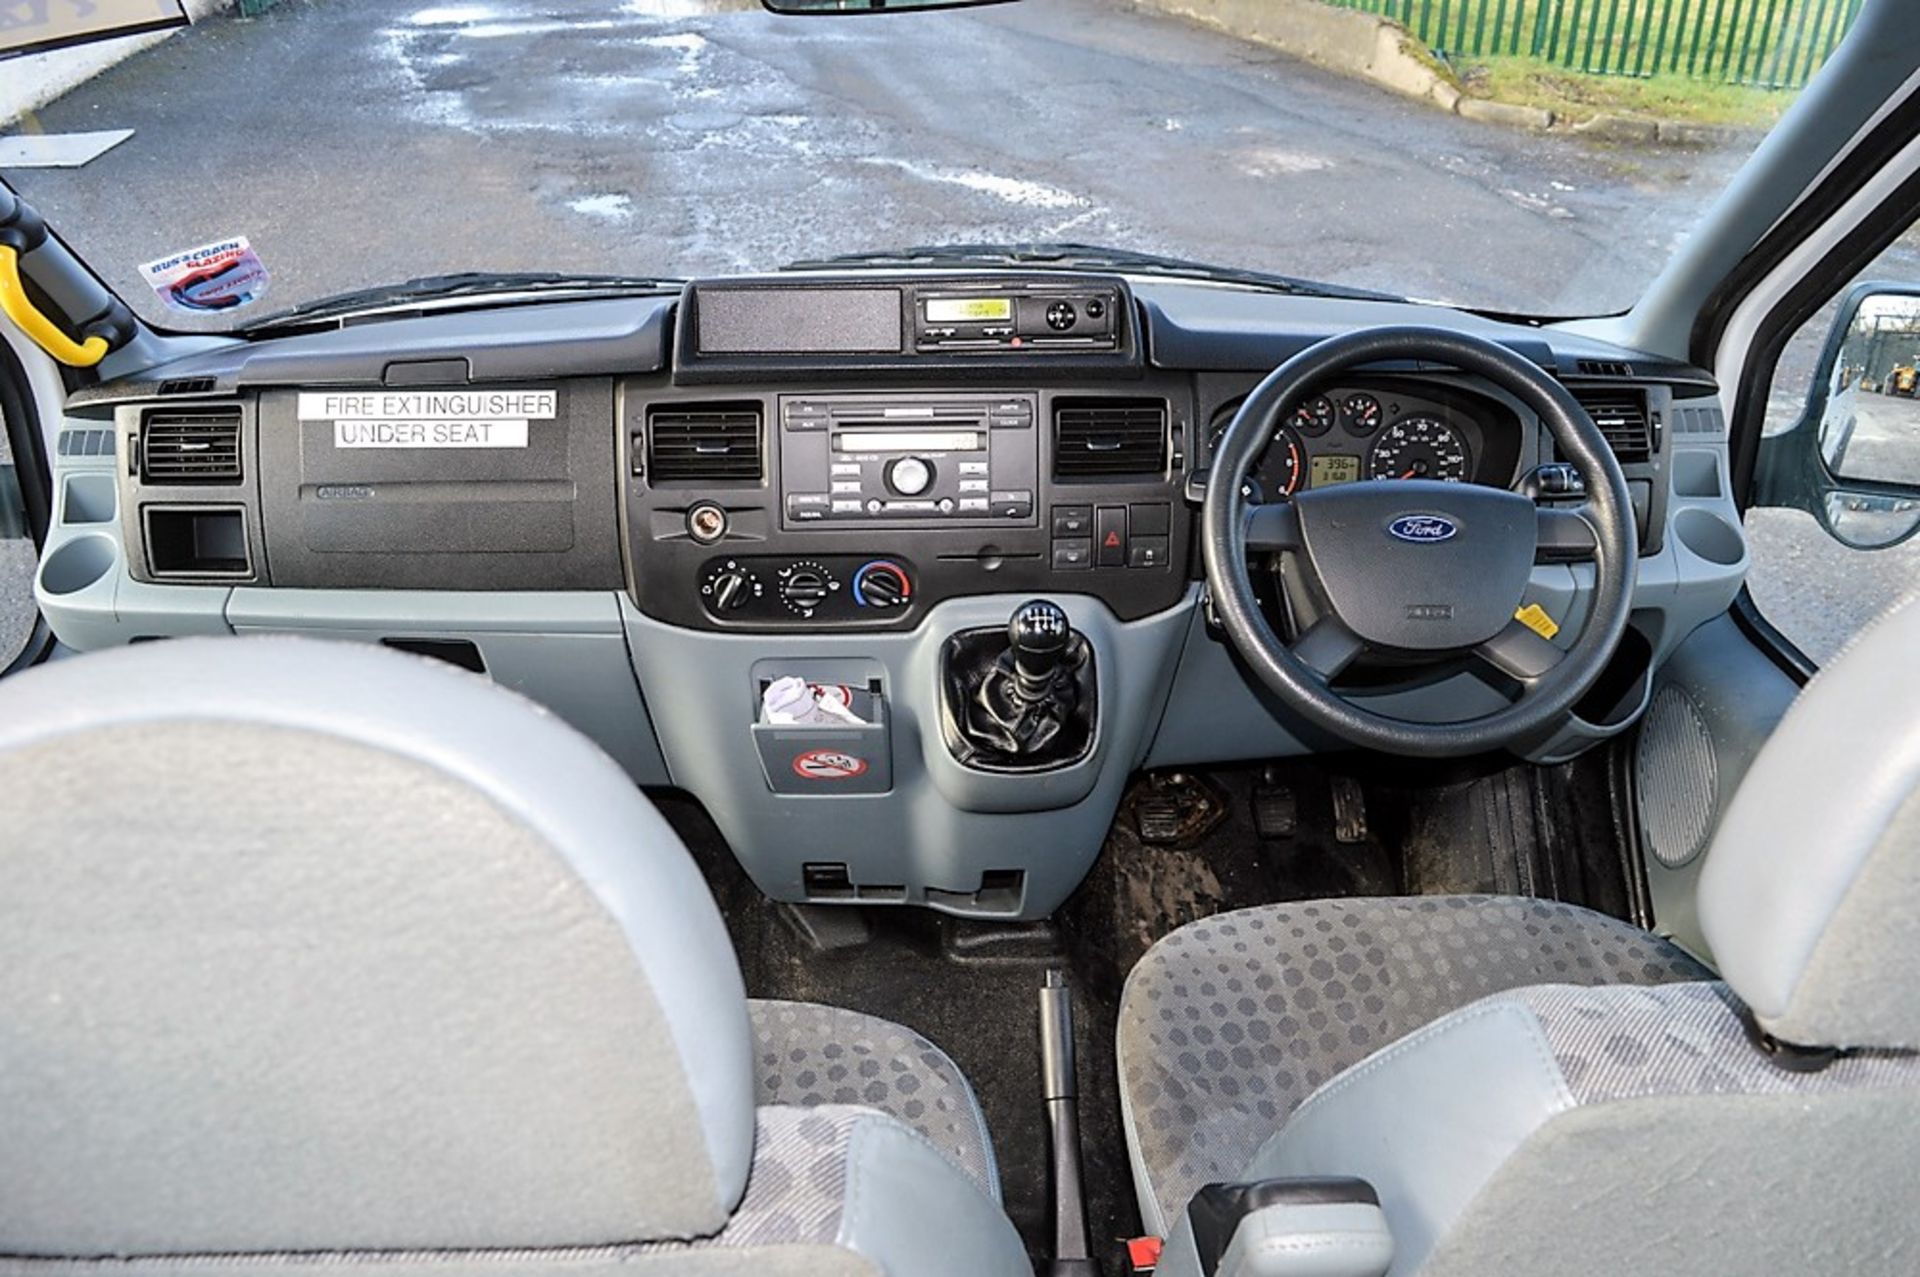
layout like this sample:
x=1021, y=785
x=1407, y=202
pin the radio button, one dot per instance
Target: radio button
x=840, y=468
x=1073, y=520
x=973, y=468
x=910, y=476
x=973, y=505
x=1014, y=503
x=807, y=505
x=973, y=485
x=847, y=506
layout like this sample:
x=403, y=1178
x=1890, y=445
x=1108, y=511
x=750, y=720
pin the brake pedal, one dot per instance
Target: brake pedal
x=1275, y=814
x=1349, y=811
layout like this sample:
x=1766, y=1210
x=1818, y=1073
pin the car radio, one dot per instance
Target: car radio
x=926, y=460
x=1035, y=318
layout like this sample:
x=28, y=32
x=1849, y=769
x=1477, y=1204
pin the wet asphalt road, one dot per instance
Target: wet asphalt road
x=359, y=142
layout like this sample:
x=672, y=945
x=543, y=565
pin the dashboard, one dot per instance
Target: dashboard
x=642, y=511
x=796, y=453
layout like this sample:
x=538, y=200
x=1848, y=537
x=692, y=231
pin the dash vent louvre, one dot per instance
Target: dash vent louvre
x=1105, y=438
x=715, y=442
x=1622, y=418
x=190, y=445
x=1603, y=368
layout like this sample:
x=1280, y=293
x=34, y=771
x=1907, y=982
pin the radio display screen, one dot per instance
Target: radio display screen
x=968, y=310
x=1329, y=470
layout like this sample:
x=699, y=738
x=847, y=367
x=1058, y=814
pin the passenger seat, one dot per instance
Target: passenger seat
x=315, y=952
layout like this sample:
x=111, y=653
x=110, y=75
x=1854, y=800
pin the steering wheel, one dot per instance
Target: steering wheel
x=1425, y=570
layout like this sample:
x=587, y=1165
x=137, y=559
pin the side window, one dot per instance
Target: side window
x=1836, y=500
x=17, y=560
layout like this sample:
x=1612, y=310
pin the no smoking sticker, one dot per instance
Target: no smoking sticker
x=828, y=764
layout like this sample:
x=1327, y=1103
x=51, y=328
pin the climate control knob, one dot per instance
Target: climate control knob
x=805, y=586
x=729, y=588
x=910, y=476
x=882, y=584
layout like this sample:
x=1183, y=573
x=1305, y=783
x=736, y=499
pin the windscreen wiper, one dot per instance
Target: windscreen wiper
x=1071, y=256
x=465, y=284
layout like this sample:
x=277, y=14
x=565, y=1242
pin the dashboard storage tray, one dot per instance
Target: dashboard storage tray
x=818, y=761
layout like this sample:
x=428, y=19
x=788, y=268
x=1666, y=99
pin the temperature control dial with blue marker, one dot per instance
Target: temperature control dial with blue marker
x=882, y=584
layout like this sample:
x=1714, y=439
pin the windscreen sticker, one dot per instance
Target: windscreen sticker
x=429, y=418
x=221, y=276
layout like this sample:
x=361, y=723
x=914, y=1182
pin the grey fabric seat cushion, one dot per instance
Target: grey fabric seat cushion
x=808, y=1055
x=1227, y=1024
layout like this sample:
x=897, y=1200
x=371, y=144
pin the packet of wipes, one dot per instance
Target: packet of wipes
x=792, y=701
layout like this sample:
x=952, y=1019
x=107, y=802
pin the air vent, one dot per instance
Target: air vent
x=1603, y=368
x=1622, y=418
x=716, y=442
x=190, y=445
x=188, y=386
x=1104, y=438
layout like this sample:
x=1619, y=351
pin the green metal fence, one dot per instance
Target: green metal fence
x=1773, y=44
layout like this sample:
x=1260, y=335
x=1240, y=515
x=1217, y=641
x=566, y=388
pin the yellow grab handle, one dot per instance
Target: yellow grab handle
x=44, y=332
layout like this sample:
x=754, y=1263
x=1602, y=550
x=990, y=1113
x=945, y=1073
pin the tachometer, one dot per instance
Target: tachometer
x=1314, y=417
x=1419, y=448
x=1278, y=471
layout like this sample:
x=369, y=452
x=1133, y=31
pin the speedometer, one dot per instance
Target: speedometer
x=1419, y=448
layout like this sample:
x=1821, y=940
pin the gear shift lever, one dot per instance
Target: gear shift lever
x=1022, y=698
x=1038, y=635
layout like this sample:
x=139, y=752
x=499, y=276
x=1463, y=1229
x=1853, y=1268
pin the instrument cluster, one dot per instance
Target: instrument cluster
x=1382, y=430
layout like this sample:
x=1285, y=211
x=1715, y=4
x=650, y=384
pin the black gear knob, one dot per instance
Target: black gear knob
x=1038, y=634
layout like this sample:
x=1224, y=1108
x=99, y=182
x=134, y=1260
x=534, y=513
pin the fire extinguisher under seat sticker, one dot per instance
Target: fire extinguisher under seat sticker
x=429, y=418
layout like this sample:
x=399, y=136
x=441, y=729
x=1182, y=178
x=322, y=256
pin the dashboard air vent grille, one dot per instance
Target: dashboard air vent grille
x=714, y=441
x=1604, y=368
x=1622, y=418
x=191, y=445
x=1102, y=438
x=188, y=386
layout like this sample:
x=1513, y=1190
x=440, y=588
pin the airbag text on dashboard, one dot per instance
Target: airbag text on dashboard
x=429, y=418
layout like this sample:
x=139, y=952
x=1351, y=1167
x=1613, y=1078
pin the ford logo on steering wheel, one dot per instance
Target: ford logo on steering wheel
x=1423, y=529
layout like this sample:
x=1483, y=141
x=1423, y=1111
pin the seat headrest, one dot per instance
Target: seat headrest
x=1810, y=896
x=314, y=946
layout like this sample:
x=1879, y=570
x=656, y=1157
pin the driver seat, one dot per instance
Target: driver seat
x=317, y=958
x=1534, y=1088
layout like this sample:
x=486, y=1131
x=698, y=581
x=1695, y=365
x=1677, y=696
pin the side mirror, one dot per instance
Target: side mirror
x=1853, y=459
x=816, y=8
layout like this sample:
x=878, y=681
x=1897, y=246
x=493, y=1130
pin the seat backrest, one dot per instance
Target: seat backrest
x=1760, y=1125
x=317, y=947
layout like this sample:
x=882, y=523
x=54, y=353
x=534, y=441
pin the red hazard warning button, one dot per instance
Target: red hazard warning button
x=1110, y=535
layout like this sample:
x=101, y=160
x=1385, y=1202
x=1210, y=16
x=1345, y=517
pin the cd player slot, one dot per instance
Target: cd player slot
x=853, y=440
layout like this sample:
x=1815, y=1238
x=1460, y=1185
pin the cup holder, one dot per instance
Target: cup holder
x=1696, y=474
x=1711, y=537
x=77, y=564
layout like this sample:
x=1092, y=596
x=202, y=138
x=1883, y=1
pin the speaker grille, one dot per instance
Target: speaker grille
x=1678, y=779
